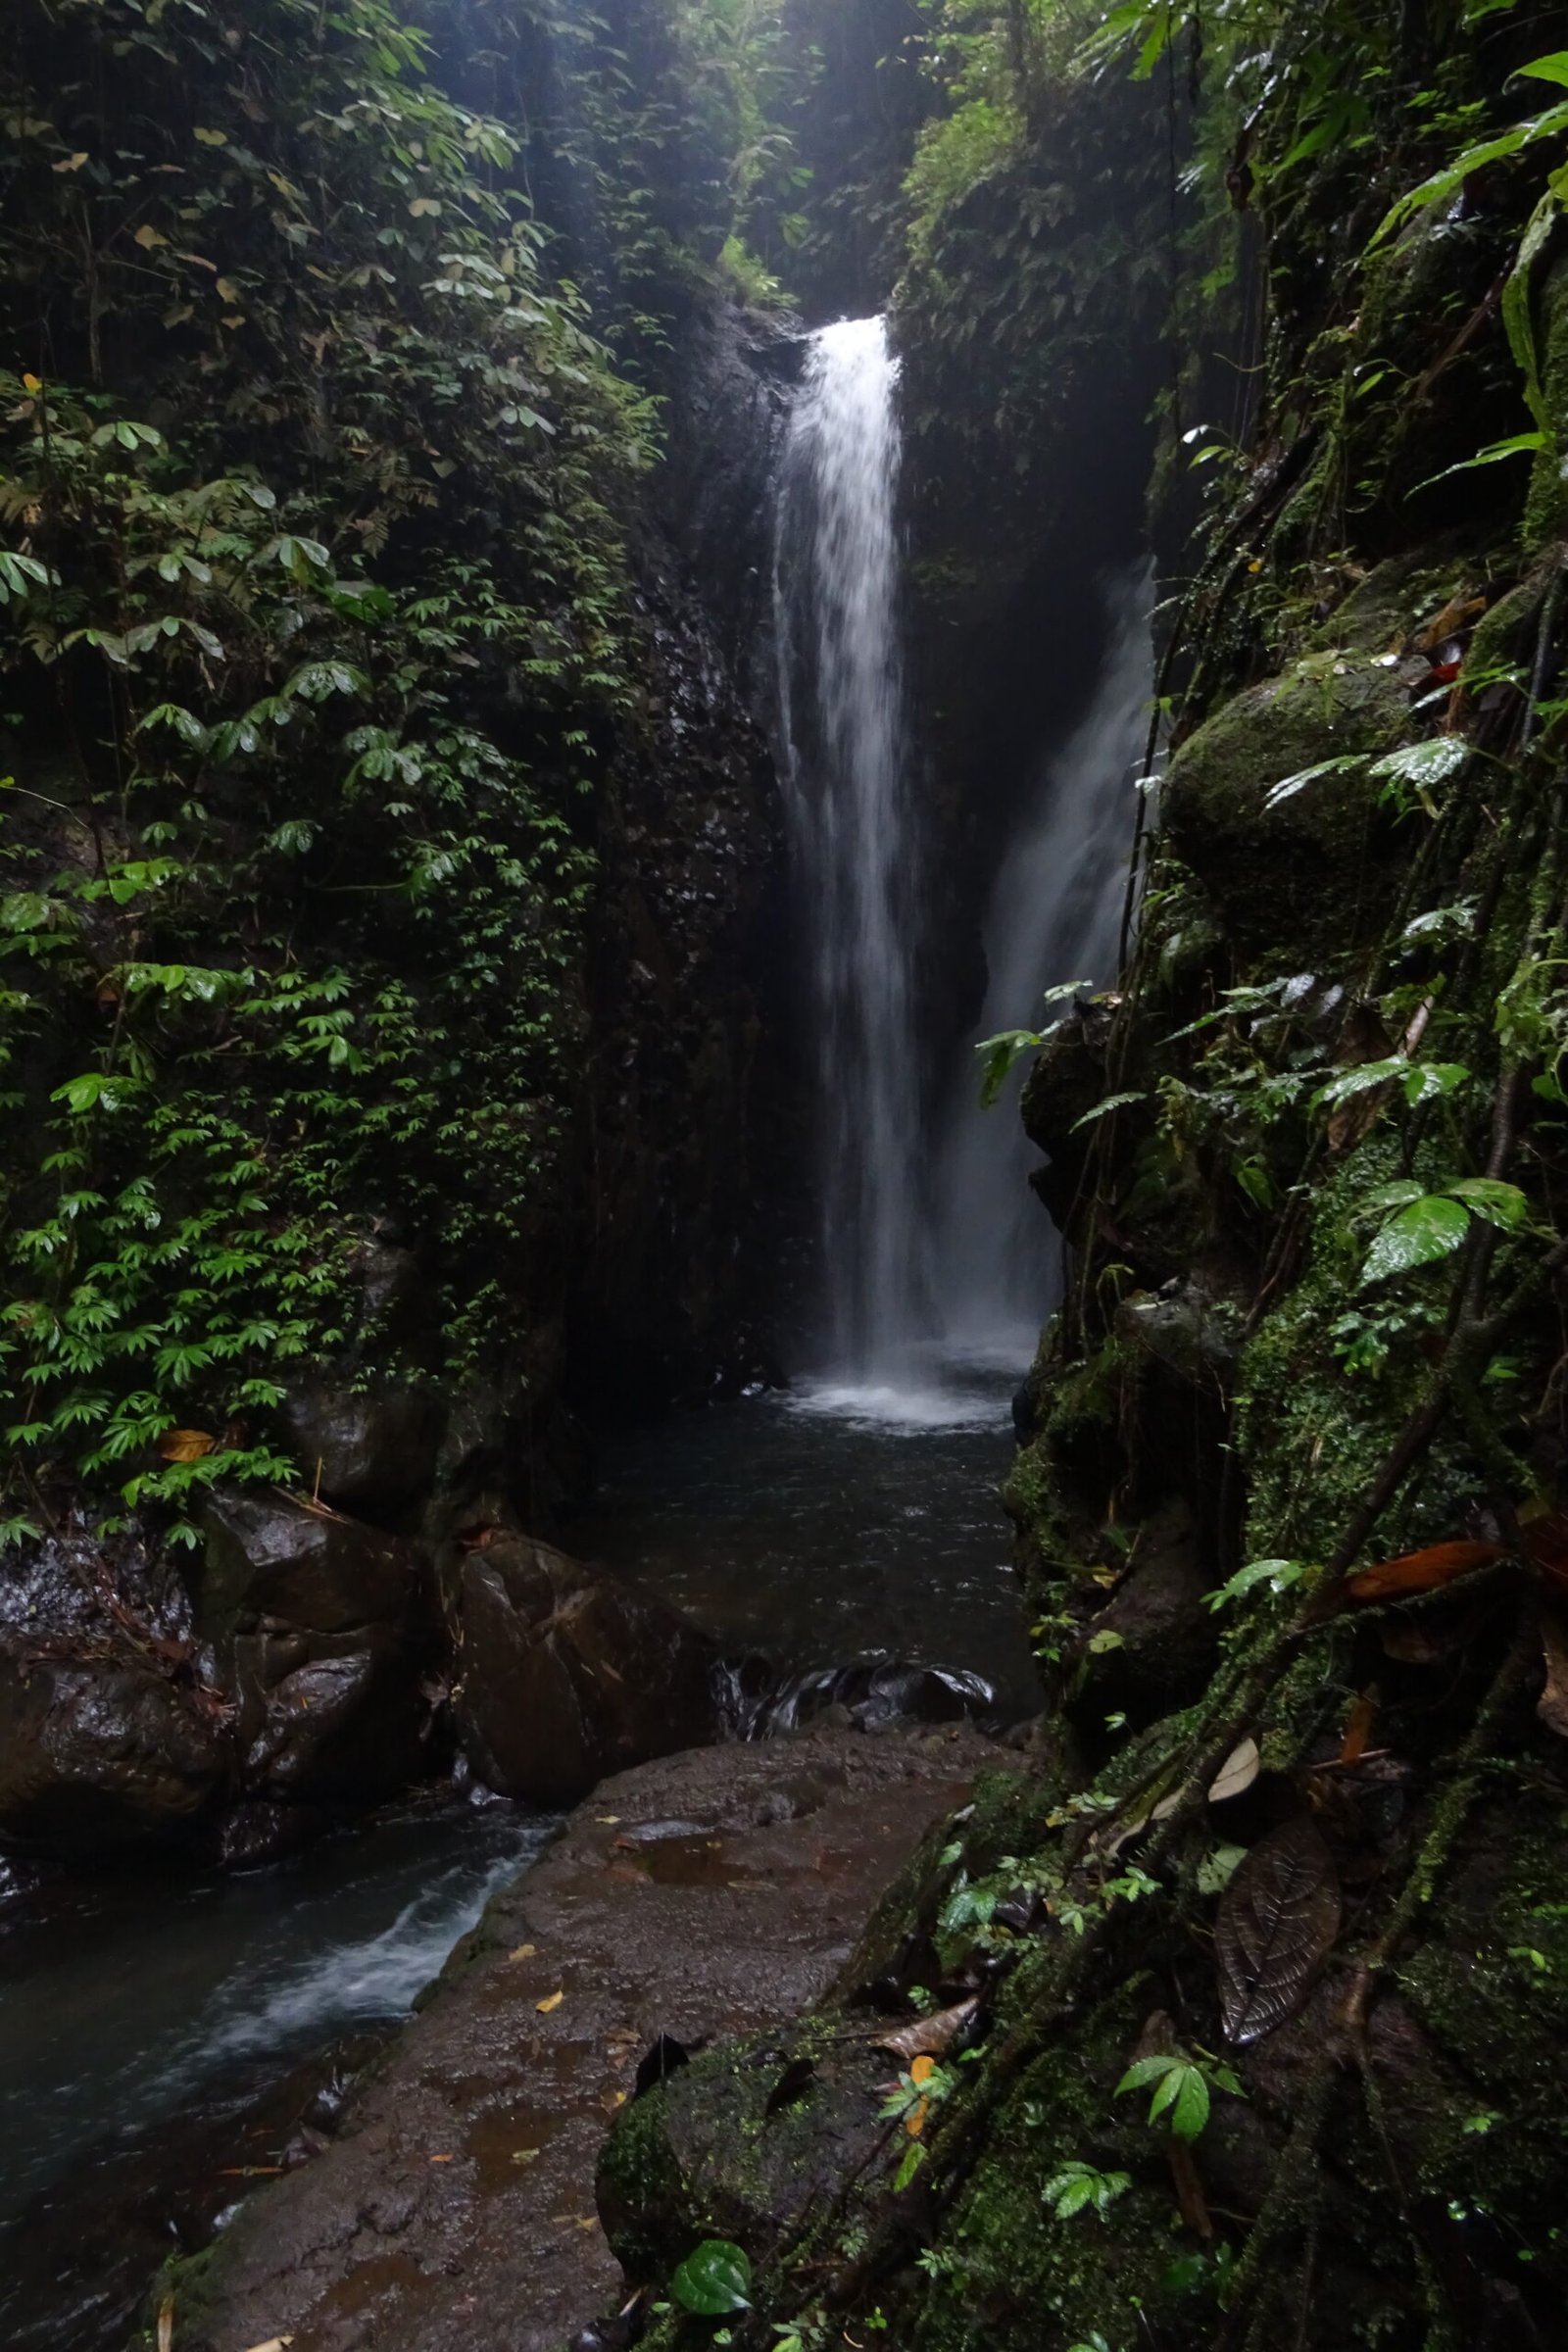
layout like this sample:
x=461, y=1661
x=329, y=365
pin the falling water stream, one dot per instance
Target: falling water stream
x=845, y=773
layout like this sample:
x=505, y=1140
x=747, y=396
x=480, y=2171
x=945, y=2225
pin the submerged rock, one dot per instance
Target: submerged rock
x=567, y=1673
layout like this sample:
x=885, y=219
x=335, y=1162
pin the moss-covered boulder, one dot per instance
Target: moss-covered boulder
x=1308, y=876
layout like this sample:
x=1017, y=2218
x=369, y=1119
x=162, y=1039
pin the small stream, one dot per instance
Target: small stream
x=162, y=2037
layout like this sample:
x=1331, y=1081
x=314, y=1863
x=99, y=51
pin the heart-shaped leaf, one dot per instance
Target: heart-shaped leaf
x=1429, y=1228
x=714, y=2278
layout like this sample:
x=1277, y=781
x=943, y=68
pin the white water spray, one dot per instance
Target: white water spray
x=1054, y=916
x=841, y=694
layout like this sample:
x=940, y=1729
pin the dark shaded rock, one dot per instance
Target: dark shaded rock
x=1188, y=1331
x=569, y=1674
x=338, y=1729
x=267, y=1557
x=96, y=1754
x=375, y=1449
x=319, y=1624
x=392, y=1288
x=1166, y=1635
x=1067, y=1078
x=261, y=1832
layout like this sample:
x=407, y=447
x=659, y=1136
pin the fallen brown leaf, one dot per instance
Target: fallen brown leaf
x=1189, y=2189
x=1420, y=1571
x=524, y=1951
x=166, y=2324
x=187, y=1445
x=1237, y=1774
x=929, y=2037
x=552, y=2000
x=1359, y=1730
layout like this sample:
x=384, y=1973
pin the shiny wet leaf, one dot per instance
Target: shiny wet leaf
x=715, y=2278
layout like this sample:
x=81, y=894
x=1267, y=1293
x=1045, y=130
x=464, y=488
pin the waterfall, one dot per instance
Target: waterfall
x=1054, y=916
x=843, y=758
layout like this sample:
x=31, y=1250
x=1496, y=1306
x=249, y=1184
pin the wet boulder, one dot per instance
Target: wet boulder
x=269, y=1557
x=872, y=1695
x=567, y=1673
x=375, y=1450
x=99, y=1752
x=321, y=1626
x=345, y=1728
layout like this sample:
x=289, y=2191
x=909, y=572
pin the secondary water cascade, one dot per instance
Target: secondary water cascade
x=1053, y=919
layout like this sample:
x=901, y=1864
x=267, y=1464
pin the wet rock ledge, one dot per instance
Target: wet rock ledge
x=711, y=1893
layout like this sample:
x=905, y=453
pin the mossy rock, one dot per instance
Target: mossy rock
x=740, y=2142
x=1393, y=601
x=1303, y=881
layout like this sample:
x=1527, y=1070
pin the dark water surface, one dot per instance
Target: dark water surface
x=150, y=2029
x=830, y=1520
x=160, y=2034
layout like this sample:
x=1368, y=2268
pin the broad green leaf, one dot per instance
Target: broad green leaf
x=715, y=2278
x=998, y=1054
x=1452, y=176
x=1398, y=1194
x=1360, y=1080
x=1425, y=764
x=1183, y=2099
x=1431, y=1228
x=1549, y=69
x=1500, y=1204
x=25, y=911
x=1144, y=2071
x=1425, y=1081
x=1214, y=1874
x=1517, y=446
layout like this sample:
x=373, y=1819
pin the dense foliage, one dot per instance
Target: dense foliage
x=315, y=486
